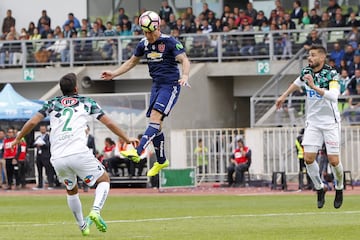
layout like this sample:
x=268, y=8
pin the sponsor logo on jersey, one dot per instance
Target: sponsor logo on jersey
x=88, y=178
x=161, y=47
x=154, y=55
x=69, y=101
x=179, y=46
x=312, y=94
x=68, y=182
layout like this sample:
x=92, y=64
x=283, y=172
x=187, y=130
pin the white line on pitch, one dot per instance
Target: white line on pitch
x=9, y=224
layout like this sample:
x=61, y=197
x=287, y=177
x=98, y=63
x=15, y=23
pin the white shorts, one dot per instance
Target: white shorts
x=83, y=165
x=316, y=135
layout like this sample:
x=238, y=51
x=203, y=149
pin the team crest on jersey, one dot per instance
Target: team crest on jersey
x=69, y=101
x=161, y=47
x=68, y=182
x=88, y=178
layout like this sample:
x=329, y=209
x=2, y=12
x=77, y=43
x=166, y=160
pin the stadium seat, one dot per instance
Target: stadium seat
x=336, y=36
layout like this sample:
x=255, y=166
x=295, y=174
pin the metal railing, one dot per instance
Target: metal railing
x=273, y=149
x=216, y=47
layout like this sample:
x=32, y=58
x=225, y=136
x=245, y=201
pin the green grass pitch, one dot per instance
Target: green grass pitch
x=209, y=217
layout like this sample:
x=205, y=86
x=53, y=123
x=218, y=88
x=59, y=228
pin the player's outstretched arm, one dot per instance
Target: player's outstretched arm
x=184, y=61
x=129, y=64
x=292, y=88
x=28, y=126
x=109, y=123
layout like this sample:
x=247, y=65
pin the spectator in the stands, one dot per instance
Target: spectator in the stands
x=312, y=40
x=337, y=54
x=286, y=43
x=31, y=28
x=231, y=24
x=172, y=21
x=101, y=24
x=205, y=10
x=290, y=24
x=352, y=114
x=317, y=7
x=349, y=56
x=205, y=26
x=325, y=21
x=190, y=15
x=243, y=18
x=9, y=50
x=248, y=41
x=180, y=26
x=273, y=17
x=164, y=28
x=14, y=32
x=314, y=17
x=96, y=31
x=57, y=31
x=200, y=45
x=121, y=16
x=46, y=30
x=332, y=64
x=8, y=22
x=297, y=12
x=355, y=64
x=83, y=48
x=353, y=21
x=67, y=31
x=218, y=27
x=354, y=80
x=85, y=25
x=43, y=19
x=339, y=21
x=278, y=7
x=344, y=81
x=165, y=11
x=60, y=47
x=189, y=26
x=260, y=19
x=331, y=9
x=76, y=21
x=250, y=11
x=230, y=43
x=353, y=37
x=135, y=24
x=226, y=13
x=305, y=19
x=211, y=18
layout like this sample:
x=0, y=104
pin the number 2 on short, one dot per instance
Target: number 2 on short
x=68, y=113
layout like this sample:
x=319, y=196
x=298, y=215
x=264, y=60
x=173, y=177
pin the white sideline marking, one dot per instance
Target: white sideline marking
x=9, y=224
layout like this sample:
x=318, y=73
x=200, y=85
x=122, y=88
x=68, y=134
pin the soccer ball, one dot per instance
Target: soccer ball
x=149, y=21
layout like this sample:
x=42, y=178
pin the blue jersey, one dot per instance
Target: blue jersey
x=160, y=56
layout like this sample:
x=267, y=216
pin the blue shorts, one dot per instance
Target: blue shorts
x=163, y=98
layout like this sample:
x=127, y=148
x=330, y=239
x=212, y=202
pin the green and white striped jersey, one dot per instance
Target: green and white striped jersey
x=68, y=119
x=320, y=110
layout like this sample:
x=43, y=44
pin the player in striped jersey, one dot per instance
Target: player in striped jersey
x=70, y=155
x=322, y=119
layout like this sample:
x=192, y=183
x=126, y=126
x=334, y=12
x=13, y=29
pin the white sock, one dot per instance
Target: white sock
x=313, y=171
x=101, y=193
x=338, y=172
x=76, y=208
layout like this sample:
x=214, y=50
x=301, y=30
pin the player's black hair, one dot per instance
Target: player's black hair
x=68, y=84
x=319, y=48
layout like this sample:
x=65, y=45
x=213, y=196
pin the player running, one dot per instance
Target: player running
x=163, y=53
x=322, y=119
x=70, y=155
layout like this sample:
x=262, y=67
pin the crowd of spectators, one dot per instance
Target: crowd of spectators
x=234, y=19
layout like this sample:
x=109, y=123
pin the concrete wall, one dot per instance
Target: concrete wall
x=219, y=96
